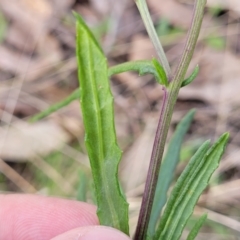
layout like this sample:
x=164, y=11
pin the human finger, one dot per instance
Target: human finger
x=27, y=217
x=93, y=233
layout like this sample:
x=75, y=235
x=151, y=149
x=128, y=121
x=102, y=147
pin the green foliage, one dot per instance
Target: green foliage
x=195, y=230
x=189, y=148
x=3, y=26
x=56, y=168
x=101, y=29
x=216, y=42
x=164, y=28
x=142, y=67
x=100, y=138
x=219, y=229
x=82, y=187
x=191, y=77
x=161, y=75
x=167, y=171
x=188, y=188
x=55, y=107
x=215, y=10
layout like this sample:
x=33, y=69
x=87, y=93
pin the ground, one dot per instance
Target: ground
x=38, y=68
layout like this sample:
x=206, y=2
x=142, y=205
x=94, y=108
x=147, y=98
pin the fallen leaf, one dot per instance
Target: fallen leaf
x=22, y=141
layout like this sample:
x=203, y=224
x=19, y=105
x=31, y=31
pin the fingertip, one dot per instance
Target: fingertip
x=93, y=232
x=37, y=217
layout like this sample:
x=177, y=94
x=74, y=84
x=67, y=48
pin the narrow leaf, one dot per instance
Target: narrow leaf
x=188, y=189
x=73, y=96
x=161, y=75
x=196, y=228
x=97, y=108
x=82, y=187
x=191, y=77
x=167, y=170
x=141, y=66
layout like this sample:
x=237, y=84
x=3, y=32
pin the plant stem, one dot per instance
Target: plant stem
x=141, y=66
x=170, y=97
x=143, y=9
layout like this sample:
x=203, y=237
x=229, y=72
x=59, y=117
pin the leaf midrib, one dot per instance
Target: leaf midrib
x=100, y=132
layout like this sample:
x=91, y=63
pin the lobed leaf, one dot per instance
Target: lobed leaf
x=167, y=170
x=100, y=138
x=188, y=189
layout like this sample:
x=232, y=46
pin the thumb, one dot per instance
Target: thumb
x=93, y=233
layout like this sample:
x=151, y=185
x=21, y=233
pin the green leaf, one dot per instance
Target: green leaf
x=3, y=27
x=100, y=138
x=141, y=66
x=161, y=75
x=195, y=230
x=82, y=187
x=216, y=42
x=73, y=96
x=167, y=171
x=191, y=77
x=188, y=189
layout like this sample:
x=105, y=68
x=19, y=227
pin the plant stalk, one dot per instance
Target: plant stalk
x=144, y=12
x=169, y=100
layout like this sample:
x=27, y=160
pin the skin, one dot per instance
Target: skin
x=27, y=217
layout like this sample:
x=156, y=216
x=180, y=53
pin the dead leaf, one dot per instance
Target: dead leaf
x=135, y=162
x=22, y=141
x=218, y=82
x=29, y=18
x=61, y=7
x=141, y=48
x=28, y=67
x=181, y=17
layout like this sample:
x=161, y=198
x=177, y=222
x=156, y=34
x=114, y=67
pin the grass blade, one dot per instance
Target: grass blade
x=167, y=170
x=188, y=189
x=196, y=228
x=97, y=108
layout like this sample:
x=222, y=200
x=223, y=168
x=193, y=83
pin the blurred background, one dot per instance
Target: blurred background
x=38, y=69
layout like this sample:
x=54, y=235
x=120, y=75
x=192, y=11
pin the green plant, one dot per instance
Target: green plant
x=98, y=116
x=215, y=42
x=3, y=26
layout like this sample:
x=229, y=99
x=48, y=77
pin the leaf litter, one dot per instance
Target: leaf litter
x=38, y=62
